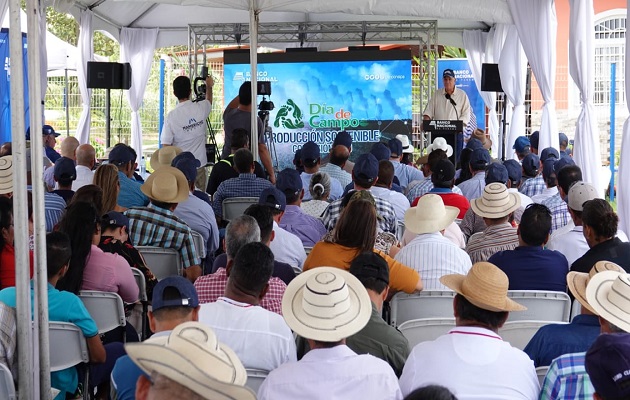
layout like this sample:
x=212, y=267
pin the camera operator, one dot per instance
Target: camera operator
x=185, y=125
x=237, y=114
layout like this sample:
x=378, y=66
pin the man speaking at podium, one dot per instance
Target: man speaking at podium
x=449, y=103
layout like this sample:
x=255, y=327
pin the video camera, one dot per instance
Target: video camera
x=264, y=89
x=200, y=89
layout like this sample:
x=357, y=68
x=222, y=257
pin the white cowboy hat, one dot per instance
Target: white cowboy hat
x=164, y=156
x=440, y=143
x=326, y=304
x=496, y=201
x=485, y=286
x=193, y=357
x=578, y=281
x=167, y=184
x=6, y=174
x=608, y=293
x=430, y=215
x=404, y=139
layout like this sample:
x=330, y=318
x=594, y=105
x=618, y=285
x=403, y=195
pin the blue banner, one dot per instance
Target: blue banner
x=464, y=80
x=5, y=86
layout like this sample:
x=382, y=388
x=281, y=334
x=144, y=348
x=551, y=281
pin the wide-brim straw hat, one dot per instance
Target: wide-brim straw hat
x=496, y=202
x=485, y=286
x=608, y=293
x=430, y=215
x=6, y=174
x=193, y=357
x=164, y=157
x=167, y=184
x=326, y=304
x=578, y=281
x=481, y=136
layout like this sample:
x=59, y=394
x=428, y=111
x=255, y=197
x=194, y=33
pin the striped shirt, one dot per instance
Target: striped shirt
x=406, y=173
x=533, y=186
x=559, y=211
x=159, y=227
x=434, y=256
x=567, y=379
x=423, y=188
x=245, y=185
x=335, y=171
x=473, y=187
x=384, y=209
x=54, y=208
x=495, y=238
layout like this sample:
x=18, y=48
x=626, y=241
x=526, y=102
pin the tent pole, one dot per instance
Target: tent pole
x=253, y=57
x=22, y=295
x=67, y=104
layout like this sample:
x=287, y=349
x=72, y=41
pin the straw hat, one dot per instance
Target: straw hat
x=164, y=157
x=608, y=293
x=6, y=174
x=193, y=357
x=481, y=136
x=496, y=201
x=326, y=304
x=578, y=281
x=167, y=184
x=485, y=286
x=430, y=215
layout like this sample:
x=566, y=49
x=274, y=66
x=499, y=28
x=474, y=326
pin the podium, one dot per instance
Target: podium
x=446, y=129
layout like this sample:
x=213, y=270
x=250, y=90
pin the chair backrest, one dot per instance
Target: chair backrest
x=235, y=206
x=200, y=244
x=255, y=378
x=67, y=346
x=161, y=261
x=425, y=329
x=106, y=308
x=576, y=309
x=519, y=333
x=308, y=249
x=142, y=283
x=541, y=372
x=541, y=305
x=400, y=230
x=426, y=304
x=7, y=387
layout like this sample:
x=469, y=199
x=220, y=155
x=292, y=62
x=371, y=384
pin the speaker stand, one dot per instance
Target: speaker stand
x=108, y=128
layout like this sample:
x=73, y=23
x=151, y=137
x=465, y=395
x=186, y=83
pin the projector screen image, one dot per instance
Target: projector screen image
x=316, y=95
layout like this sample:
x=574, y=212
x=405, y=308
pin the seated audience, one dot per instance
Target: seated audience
x=567, y=174
x=515, y=178
x=533, y=181
x=382, y=189
x=530, y=266
x=311, y=160
x=522, y=147
x=485, y=366
x=473, y=188
x=495, y=207
x=107, y=178
x=443, y=180
x=89, y=194
x=7, y=251
x=607, y=363
x=64, y=173
x=430, y=253
x=325, y=306
x=319, y=188
x=187, y=155
x=551, y=181
x=425, y=185
x=68, y=149
x=404, y=173
x=86, y=160
x=339, y=155
x=130, y=195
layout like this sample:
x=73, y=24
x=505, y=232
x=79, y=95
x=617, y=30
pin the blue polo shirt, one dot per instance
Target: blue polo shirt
x=62, y=307
x=130, y=194
x=533, y=268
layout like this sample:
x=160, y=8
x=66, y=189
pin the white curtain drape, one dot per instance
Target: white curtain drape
x=477, y=53
x=86, y=52
x=581, y=66
x=537, y=26
x=137, y=47
x=43, y=57
x=4, y=7
x=513, y=70
x=623, y=195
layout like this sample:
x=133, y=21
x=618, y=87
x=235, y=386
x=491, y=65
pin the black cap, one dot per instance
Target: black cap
x=370, y=265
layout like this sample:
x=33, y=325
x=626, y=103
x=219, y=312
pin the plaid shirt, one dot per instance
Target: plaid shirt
x=533, y=186
x=246, y=185
x=158, y=227
x=559, y=211
x=567, y=379
x=384, y=209
x=425, y=187
x=211, y=287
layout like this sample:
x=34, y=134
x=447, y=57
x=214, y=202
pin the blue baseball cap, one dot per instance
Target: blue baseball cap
x=366, y=167
x=496, y=173
x=274, y=198
x=289, y=180
x=520, y=143
x=548, y=168
x=114, y=218
x=531, y=164
x=448, y=72
x=343, y=138
x=562, y=162
x=120, y=155
x=607, y=363
x=49, y=130
x=187, y=294
x=474, y=144
x=479, y=159
x=65, y=169
x=549, y=152
x=188, y=167
x=515, y=172
x=381, y=151
x=185, y=155
x=563, y=140
x=310, y=151
x=395, y=147
x=533, y=139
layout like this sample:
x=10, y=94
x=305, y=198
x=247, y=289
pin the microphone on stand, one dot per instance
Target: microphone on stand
x=449, y=98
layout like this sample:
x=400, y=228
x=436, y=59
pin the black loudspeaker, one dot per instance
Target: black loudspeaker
x=108, y=75
x=490, y=78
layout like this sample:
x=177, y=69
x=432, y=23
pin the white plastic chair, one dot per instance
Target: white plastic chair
x=255, y=378
x=308, y=249
x=519, y=333
x=235, y=206
x=144, y=300
x=67, y=349
x=425, y=329
x=400, y=230
x=200, y=244
x=576, y=309
x=106, y=308
x=162, y=262
x=7, y=387
x=541, y=372
x=541, y=305
x=426, y=304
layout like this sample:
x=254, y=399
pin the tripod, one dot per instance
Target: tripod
x=271, y=145
x=213, y=142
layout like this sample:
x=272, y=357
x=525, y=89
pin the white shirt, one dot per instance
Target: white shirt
x=525, y=201
x=185, y=127
x=260, y=338
x=570, y=241
x=434, y=256
x=474, y=363
x=85, y=176
x=336, y=190
x=452, y=233
x=397, y=200
x=336, y=373
x=287, y=247
x=439, y=107
x=546, y=193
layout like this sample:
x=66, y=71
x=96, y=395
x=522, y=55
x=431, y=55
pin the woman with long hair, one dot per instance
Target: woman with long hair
x=7, y=251
x=319, y=188
x=355, y=233
x=89, y=194
x=106, y=177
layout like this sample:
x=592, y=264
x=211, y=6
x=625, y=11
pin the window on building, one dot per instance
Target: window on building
x=610, y=34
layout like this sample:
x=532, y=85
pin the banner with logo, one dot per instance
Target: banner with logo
x=5, y=86
x=316, y=95
x=465, y=81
